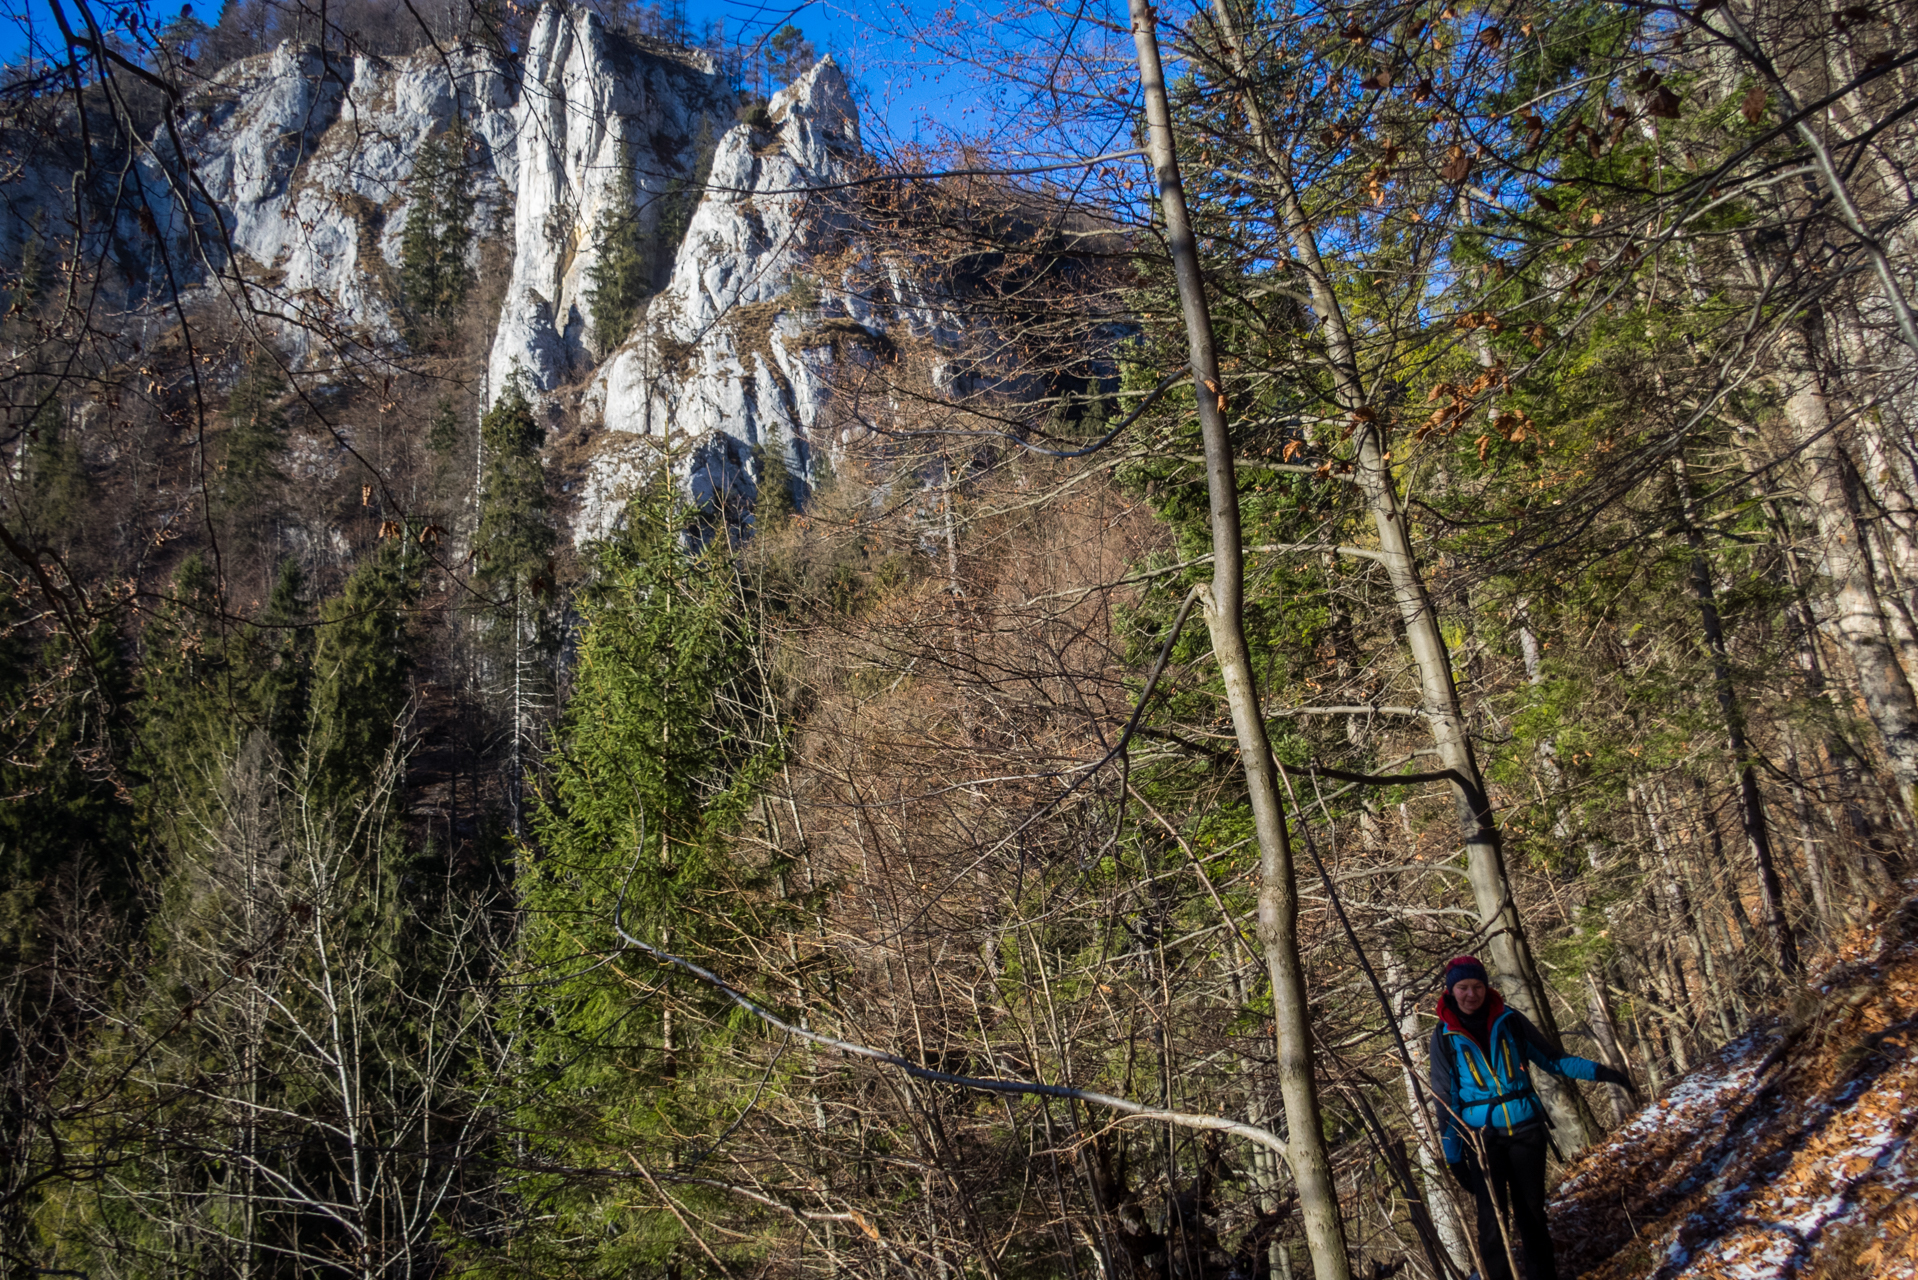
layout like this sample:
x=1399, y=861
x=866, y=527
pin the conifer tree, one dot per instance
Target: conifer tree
x=360, y=667
x=512, y=551
x=187, y=716
x=658, y=758
x=255, y=434
x=434, y=273
x=789, y=55
x=279, y=658
x=773, y=503
x=443, y=435
x=61, y=817
x=207, y=685
x=54, y=489
x=514, y=544
x=622, y=277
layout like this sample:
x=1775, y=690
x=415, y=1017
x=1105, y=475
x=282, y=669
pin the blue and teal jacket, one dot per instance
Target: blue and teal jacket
x=1486, y=1083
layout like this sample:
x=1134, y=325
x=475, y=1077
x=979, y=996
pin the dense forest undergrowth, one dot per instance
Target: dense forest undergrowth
x=1461, y=502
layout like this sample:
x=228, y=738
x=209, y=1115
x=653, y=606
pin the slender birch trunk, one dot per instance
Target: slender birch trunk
x=1491, y=887
x=1446, y=1218
x=1751, y=804
x=1857, y=620
x=1223, y=604
x=1605, y=1032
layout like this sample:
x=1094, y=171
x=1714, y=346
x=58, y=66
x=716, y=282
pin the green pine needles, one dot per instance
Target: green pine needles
x=622, y=278
x=774, y=504
x=631, y=263
x=434, y=272
x=359, y=680
x=516, y=537
x=665, y=746
x=255, y=433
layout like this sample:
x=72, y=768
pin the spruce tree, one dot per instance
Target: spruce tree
x=443, y=435
x=360, y=666
x=512, y=551
x=622, y=277
x=55, y=493
x=61, y=724
x=207, y=685
x=279, y=658
x=773, y=503
x=514, y=544
x=661, y=753
x=434, y=273
x=188, y=715
x=255, y=434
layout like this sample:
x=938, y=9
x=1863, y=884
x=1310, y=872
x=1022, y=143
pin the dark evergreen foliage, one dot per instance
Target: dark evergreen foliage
x=775, y=501
x=622, y=277
x=663, y=748
x=443, y=437
x=255, y=435
x=514, y=545
x=62, y=725
x=436, y=241
x=360, y=667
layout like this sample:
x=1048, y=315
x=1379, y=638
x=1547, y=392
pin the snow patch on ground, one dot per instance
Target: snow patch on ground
x=1787, y=1154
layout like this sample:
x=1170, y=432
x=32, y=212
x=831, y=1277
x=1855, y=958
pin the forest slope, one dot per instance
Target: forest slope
x=1787, y=1153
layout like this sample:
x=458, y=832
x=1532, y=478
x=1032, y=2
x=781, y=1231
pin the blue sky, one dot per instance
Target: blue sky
x=929, y=71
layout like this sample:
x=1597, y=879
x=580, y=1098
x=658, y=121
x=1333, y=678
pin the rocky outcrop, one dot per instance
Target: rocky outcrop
x=300, y=165
x=585, y=99
x=294, y=172
x=721, y=367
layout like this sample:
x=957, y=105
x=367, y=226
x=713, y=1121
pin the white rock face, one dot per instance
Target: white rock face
x=579, y=101
x=719, y=366
x=306, y=162
x=302, y=165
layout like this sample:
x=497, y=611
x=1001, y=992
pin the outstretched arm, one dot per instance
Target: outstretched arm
x=1560, y=1063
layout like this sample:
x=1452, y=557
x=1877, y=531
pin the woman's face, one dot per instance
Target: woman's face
x=1468, y=994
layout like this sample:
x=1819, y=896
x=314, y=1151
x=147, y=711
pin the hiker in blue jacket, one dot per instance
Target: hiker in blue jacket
x=1492, y=1122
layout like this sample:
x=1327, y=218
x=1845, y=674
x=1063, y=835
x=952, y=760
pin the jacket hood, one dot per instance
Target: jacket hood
x=1449, y=1017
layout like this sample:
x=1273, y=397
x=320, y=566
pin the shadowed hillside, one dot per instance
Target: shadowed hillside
x=1788, y=1153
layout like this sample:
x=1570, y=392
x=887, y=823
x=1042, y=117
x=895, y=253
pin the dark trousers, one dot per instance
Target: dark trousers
x=1516, y=1165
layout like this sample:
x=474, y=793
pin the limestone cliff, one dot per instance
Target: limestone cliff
x=720, y=368
x=296, y=178
x=299, y=165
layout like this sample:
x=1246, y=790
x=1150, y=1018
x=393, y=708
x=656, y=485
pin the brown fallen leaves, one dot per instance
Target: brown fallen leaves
x=1801, y=1170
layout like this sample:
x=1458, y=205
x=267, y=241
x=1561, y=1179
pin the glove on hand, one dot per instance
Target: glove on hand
x=1611, y=1075
x=1467, y=1174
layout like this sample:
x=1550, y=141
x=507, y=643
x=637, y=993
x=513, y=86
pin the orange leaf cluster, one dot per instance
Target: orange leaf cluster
x=1457, y=398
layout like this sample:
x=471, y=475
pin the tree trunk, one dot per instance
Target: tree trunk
x=1491, y=888
x=1605, y=1031
x=1439, y=1203
x=1751, y=804
x=1815, y=870
x=1857, y=620
x=1684, y=919
x=1223, y=604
